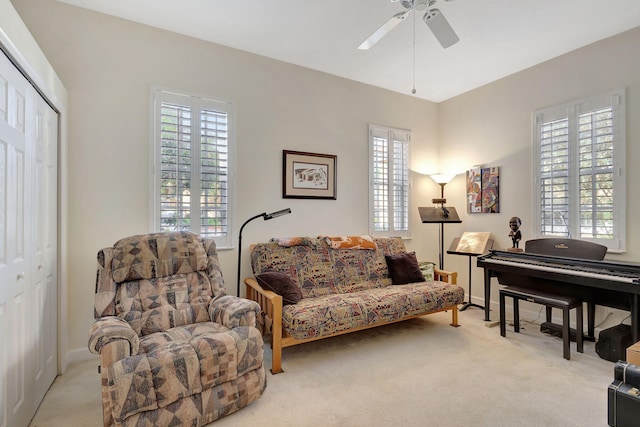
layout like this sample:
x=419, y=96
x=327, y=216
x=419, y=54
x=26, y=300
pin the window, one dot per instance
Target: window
x=193, y=157
x=389, y=175
x=579, y=152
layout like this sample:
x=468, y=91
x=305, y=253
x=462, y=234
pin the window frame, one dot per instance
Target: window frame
x=572, y=111
x=375, y=130
x=197, y=103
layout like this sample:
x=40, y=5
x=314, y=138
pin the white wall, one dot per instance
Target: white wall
x=108, y=66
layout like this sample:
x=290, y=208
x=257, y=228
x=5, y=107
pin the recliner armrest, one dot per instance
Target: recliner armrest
x=232, y=311
x=109, y=329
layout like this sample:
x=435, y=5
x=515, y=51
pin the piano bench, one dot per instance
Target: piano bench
x=565, y=303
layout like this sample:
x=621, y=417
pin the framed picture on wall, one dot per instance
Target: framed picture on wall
x=483, y=190
x=308, y=175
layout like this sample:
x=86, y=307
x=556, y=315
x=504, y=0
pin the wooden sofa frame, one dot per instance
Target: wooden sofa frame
x=271, y=306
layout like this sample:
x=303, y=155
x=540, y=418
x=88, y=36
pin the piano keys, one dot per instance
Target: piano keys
x=568, y=267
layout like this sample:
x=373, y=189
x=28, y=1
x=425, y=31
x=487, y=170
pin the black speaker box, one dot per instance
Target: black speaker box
x=613, y=342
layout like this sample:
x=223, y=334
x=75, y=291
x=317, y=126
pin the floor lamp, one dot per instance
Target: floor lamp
x=440, y=215
x=264, y=216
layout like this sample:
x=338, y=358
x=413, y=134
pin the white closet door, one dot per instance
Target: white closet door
x=15, y=272
x=28, y=282
x=44, y=267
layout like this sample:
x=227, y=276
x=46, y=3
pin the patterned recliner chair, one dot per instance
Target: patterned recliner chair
x=174, y=348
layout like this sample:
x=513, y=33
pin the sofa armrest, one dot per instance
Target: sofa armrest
x=111, y=329
x=232, y=311
x=270, y=318
x=450, y=277
x=270, y=305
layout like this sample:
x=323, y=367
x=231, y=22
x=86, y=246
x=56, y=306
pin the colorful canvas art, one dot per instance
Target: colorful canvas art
x=483, y=186
x=474, y=190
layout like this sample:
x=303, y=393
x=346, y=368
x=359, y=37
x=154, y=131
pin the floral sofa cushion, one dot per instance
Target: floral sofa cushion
x=329, y=314
x=320, y=270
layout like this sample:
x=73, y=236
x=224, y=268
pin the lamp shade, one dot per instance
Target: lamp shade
x=442, y=178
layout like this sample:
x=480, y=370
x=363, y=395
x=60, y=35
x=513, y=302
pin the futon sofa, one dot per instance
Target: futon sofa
x=314, y=288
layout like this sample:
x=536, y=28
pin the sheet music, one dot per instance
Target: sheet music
x=473, y=242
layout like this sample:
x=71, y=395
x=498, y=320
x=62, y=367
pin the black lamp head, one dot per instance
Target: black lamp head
x=276, y=214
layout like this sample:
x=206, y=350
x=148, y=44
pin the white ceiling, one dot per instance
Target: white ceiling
x=497, y=37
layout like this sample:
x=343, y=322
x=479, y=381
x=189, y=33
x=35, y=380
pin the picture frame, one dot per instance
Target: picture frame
x=483, y=190
x=308, y=175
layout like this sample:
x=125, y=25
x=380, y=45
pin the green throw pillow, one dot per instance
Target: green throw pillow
x=427, y=269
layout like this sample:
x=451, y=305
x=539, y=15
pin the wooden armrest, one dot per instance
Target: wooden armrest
x=450, y=277
x=253, y=285
x=271, y=307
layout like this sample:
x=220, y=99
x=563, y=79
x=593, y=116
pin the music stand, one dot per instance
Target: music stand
x=479, y=245
x=441, y=215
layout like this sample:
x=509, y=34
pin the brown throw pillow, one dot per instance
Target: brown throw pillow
x=282, y=285
x=404, y=268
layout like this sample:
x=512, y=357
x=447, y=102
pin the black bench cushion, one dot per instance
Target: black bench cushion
x=541, y=297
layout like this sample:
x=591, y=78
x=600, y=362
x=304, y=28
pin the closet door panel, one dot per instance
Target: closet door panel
x=4, y=277
x=15, y=272
x=44, y=268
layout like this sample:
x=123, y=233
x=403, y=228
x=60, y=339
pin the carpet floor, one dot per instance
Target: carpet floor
x=420, y=372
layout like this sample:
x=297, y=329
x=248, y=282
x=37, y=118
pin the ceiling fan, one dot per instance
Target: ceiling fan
x=434, y=19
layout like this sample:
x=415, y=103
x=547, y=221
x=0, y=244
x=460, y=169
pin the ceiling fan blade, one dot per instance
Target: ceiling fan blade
x=440, y=28
x=383, y=30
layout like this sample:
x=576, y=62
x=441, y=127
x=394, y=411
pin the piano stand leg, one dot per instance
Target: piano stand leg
x=503, y=321
x=591, y=321
x=579, y=330
x=516, y=315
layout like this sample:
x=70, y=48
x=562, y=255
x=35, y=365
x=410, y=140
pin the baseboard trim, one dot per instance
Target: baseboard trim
x=80, y=355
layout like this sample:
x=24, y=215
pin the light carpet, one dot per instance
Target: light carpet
x=420, y=372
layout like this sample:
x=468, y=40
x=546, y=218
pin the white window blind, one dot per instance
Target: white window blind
x=192, y=181
x=389, y=174
x=580, y=188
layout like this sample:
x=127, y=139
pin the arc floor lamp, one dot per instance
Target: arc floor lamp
x=264, y=216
